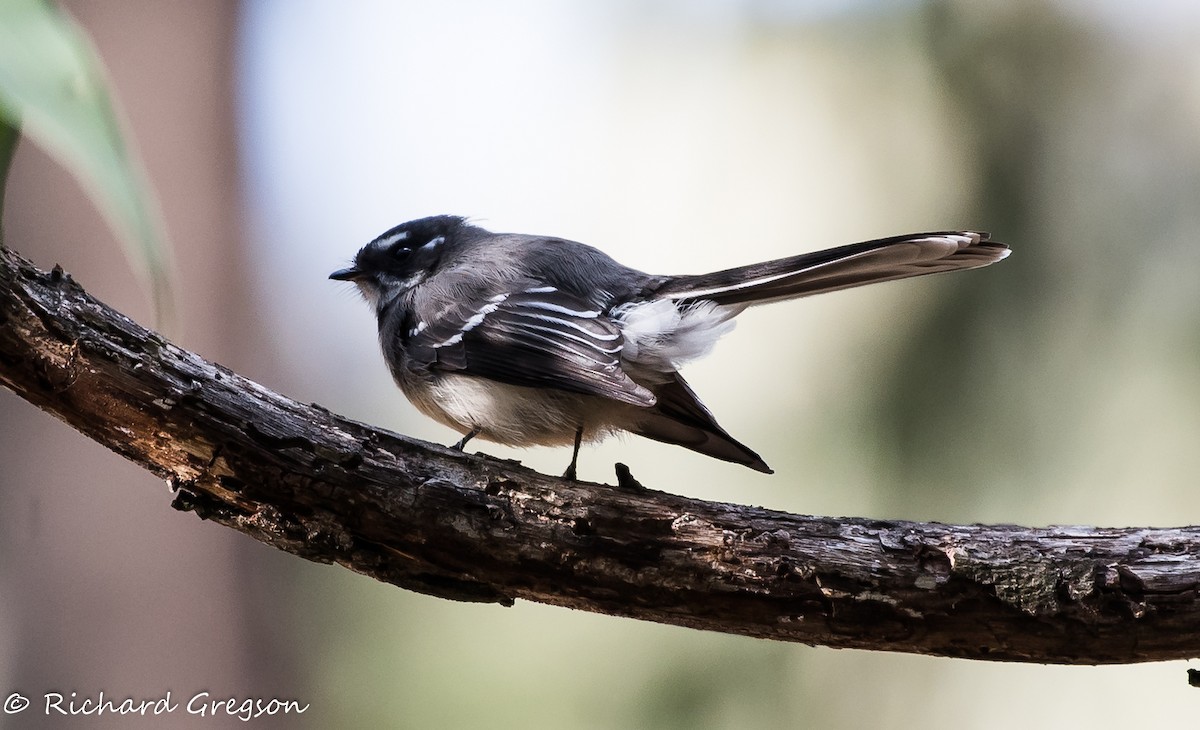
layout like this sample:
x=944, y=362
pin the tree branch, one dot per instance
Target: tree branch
x=475, y=528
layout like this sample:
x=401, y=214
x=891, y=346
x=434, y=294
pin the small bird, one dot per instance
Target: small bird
x=533, y=340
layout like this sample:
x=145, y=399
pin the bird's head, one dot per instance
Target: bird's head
x=400, y=258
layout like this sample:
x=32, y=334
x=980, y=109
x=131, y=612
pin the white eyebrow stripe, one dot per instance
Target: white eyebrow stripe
x=568, y=323
x=395, y=238
x=433, y=243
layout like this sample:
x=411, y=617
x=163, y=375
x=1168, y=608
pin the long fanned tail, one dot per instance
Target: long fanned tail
x=898, y=257
x=679, y=417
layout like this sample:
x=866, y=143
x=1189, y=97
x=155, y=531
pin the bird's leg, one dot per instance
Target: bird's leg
x=570, y=472
x=462, y=444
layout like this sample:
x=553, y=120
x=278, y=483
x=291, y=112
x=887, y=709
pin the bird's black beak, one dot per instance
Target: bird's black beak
x=349, y=274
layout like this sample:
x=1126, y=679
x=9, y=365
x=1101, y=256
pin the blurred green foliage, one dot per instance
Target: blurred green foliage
x=52, y=85
x=8, y=144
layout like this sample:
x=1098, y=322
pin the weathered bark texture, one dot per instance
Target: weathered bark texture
x=474, y=528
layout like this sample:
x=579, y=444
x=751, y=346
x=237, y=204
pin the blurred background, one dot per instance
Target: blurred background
x=1060, y=386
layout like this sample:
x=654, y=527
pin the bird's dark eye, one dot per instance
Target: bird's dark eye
x=399, y=251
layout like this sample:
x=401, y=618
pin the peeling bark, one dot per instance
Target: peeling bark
x=473, y=528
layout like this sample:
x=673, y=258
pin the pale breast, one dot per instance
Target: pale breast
x=512, y=414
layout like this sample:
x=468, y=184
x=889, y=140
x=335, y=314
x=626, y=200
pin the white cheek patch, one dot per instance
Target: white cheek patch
x=663, y=336
x=412, y=280
x=385, y=292
x=369, y=291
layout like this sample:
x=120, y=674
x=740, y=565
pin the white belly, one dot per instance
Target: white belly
x=512, y=414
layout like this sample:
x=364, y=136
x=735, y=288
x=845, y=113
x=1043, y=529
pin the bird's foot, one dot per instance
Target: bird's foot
x=625, y=479
x=462, y=443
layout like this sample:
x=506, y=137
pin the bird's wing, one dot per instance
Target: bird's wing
x=680, y=418
x=537, y=336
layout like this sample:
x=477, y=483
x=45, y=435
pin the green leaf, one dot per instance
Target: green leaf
x=52, y=83
x=8, y=145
